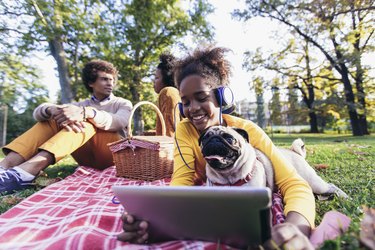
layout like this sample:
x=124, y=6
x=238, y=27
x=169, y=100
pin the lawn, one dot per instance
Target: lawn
x=349, y=163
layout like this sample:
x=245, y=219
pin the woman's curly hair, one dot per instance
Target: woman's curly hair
x=90, y=72
x=166, y=65
x=209, y=63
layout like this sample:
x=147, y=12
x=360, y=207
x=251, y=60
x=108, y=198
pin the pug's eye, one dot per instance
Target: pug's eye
x=229, y=138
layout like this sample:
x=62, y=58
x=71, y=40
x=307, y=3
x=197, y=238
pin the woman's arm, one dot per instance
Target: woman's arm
x=168, y=100
x=297, y=193
x=184, y=156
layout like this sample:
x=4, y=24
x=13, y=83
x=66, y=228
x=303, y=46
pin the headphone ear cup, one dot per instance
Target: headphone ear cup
x=225, y=97
x=218, y=95
x=181, y=109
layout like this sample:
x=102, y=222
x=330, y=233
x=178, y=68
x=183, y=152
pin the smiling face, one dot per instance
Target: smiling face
x=103, y=86
x=199, y=102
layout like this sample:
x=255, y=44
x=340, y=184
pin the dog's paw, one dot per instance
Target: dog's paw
x=339, y=192
x=324, y=197
x=329, y=195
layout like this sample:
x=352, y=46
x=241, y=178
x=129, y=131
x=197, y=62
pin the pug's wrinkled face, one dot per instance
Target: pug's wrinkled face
x=221, y=146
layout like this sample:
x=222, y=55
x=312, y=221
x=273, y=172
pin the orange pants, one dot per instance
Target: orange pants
x=88, y=148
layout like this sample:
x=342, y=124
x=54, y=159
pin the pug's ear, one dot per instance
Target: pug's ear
x=243, y=133
x=202, y=135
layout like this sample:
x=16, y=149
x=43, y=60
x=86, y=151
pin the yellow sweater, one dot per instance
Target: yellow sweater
x=297, y=193
x=168, y=98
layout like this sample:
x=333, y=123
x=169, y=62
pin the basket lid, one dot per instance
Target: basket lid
x=148, y=142
x=154, y=139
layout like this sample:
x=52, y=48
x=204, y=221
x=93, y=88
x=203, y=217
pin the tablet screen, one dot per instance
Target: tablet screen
x=237, y=216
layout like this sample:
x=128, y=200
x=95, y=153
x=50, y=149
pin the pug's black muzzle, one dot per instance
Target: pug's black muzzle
x=216, y=145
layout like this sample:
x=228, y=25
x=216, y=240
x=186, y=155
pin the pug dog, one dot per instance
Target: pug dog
x=232, y=161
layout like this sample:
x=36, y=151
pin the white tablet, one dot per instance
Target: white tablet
x=237, y=216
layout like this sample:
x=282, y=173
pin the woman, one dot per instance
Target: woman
x=197, y=77
x=168, y=94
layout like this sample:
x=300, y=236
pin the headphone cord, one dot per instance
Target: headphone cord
x=175, y=138
x=221, y=105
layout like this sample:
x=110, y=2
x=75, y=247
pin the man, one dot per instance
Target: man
x=81, y=129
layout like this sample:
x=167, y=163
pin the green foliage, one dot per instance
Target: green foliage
x=340, y=31
x=260, y=116
x=141, y=30
x=21, y=92
x=275, y=106
x=130, y=34
x=19, y=82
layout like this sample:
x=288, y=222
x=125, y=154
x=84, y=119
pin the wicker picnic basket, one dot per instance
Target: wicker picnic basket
x=146, y=158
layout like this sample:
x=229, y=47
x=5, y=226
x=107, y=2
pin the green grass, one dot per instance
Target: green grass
x=61, y=169
x=350, y=162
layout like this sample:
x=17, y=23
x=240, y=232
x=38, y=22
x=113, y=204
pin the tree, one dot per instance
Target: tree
x=260, y=117
x=21, y=92
x=325, y=25
x=130, y=34
x=295, y=113
x=275, y=106
x=47, y=26
x=293, y=63
x=141, y=30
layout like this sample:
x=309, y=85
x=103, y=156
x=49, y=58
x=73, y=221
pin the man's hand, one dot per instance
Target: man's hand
x=77, y=127
x=68, y=116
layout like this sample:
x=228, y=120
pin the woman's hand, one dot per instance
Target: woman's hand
x=292, y=234
x=135, y=231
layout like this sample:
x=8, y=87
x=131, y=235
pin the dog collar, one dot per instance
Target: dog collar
x=240, y=182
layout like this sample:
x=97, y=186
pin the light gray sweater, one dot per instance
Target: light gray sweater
x=112, y=114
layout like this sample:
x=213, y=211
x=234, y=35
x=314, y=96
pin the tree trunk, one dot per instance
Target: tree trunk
x=349, y=96
x=361, y=100
x=313, y=122
x=309, y=100
x=360, y=93
x=58, y=53
x=359, y=70
x=135, y=98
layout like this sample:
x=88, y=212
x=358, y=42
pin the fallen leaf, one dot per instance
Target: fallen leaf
x=340, y=140
x=359, y=153
x=44, y=182
x=367, y=233
x=11, y=200
x=321, y=166
x=366, y=146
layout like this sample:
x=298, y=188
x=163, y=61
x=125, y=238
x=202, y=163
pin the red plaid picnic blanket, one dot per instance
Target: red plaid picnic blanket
x=78, y=213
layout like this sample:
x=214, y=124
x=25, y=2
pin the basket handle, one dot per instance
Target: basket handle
x=163, y=130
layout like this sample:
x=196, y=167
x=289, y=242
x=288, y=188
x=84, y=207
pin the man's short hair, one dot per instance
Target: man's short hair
x=90, y=72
